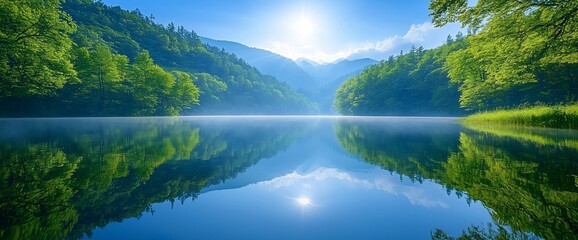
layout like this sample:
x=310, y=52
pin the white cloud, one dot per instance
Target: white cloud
x=424, y=34
x=385, y=45
x=418, y=33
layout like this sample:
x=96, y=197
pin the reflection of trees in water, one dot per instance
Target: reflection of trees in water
x=63, y=180
x=411, y=148
x=35, y=189
x=528, y=185
x=480, y=233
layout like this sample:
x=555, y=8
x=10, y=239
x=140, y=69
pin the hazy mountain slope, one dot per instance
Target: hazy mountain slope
x=267, y=62
x=302, y=74
x=331, y=76
x=325, y=73
x=318, y=81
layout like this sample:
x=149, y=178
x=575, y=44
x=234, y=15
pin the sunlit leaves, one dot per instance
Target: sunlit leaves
x=184, y=94
x=101, y=74
x=155, y=91
x=34, y=47
x=447, y=11
x=516, y=45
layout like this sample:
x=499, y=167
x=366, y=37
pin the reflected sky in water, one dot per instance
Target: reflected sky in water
x=312, y=190
x=342, y=206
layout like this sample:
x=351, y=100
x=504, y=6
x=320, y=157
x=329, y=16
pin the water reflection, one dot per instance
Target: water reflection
x=413, y=147
x=64, y=177
x=530, y=186
x=527, y=178
x=300, y=177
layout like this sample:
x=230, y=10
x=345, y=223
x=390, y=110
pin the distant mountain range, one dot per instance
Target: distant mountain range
x=329, y=72
x=316, y=80
x=267, y=62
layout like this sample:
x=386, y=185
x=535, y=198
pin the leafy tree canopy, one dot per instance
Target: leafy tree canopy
x=520, y=45
x=34, y=47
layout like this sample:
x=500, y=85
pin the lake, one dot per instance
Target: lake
x=284, y=178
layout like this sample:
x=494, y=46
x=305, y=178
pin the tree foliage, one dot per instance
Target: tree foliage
x=524, y=51
x=34, y=47
x=100, y=89
x=516, y=53
x=410, y=84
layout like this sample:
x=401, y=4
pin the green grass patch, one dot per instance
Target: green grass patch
x=540, y=116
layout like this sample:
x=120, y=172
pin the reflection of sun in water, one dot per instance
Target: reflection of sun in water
x=304, y=201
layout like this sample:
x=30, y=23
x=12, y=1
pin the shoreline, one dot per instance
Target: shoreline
x=555, y=116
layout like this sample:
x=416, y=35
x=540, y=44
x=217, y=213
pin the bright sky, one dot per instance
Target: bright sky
x=320, y=30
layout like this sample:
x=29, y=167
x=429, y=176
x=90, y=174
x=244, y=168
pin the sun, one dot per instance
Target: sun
x=304, y=201
x=304, y=25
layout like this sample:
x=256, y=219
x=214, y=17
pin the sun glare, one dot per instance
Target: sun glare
x=304, y=201
x=304, y=26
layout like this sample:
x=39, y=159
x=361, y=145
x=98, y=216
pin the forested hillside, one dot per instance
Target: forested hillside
x=518, y=53
x=409, y=84
x=83, y=58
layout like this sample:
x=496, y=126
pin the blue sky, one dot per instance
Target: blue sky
x=320, y=30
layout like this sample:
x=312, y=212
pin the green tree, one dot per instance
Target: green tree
x=184, y=94
x=154, y=91
x=101, y=74
x=520, y=47
x=150, y=86
x=35, y=64
x=34, y=47
x=211, y=88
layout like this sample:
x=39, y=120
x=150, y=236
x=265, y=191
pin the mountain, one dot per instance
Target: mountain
x=114, y=62
x=267, y=62
x=302, y=74
x=326, y=73
x=331, y=76
x=318, y=81
x=309, y=66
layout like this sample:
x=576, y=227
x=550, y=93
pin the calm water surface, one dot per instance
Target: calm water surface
x=283, y=178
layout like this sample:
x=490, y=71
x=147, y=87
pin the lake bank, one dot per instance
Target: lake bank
x=559, y=116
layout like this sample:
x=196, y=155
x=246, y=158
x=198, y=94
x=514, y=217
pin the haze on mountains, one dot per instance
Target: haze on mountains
x=318, y=81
